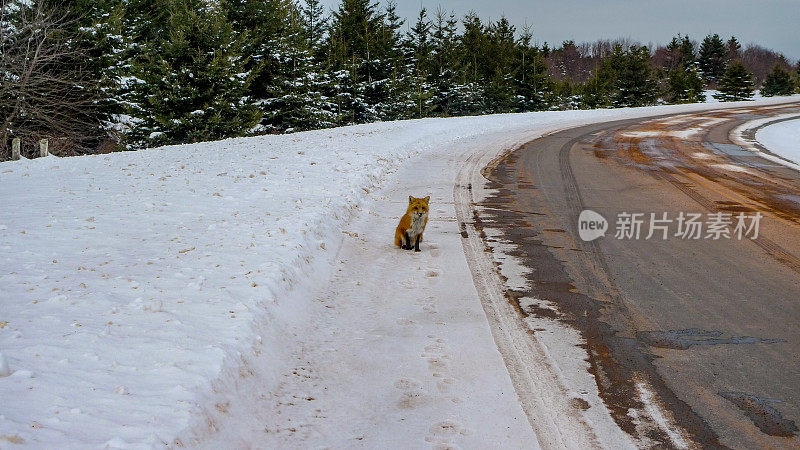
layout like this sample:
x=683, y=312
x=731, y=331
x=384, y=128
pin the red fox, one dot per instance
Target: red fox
x=412, y=224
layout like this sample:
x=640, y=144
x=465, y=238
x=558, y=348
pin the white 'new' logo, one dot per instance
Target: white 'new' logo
x=591, y=225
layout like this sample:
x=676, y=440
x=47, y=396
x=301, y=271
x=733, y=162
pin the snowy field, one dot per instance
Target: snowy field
x=782, y=139
x=246, y=293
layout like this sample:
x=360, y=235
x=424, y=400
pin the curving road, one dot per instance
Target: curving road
x=706, y=329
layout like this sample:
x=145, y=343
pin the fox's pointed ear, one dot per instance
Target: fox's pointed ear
x=427, y=199
x=410, y=199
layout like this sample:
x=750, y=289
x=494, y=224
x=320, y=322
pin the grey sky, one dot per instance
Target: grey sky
x=774, y=24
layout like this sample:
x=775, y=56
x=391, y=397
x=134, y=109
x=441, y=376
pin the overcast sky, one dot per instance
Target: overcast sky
x=774, y=24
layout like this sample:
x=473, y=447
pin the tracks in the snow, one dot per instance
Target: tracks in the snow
x=543, y=397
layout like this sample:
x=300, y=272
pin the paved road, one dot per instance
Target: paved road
x=710, y=326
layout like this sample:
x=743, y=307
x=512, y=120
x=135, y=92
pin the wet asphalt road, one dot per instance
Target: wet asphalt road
x=711, y=326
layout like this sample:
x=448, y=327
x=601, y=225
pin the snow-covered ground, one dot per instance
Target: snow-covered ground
x=782, y=138
x=711, y=92
x=780, y=143
x=246, y=292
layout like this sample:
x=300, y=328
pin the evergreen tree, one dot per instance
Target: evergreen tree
x=142, y=26
x=597, y=91
x=673, y=56
x=472, y=50
x=387, y=61
x=796, y=77
x=634, y=85
x=531, y=83
x=192, y=83
x=736, y=84
x=420, y=47
x=267, y=26
x=399, y=85
x=568, y=95
x=679, y=54
x=444, y=63
x=296, y=101
x=625, y=78
x=314, y=23
x=180, y=70
x=712, y=58
x=732, y=48
x=685, y=86
x=275, y=54
x=355, y=47
x=687, y=52
x=314, y=79
x=778, y=82
x=98, y=41
x=680, y=51
x=500, y=67
x=391, y=36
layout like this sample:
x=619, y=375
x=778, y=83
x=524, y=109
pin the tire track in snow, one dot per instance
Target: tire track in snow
x=541, y=395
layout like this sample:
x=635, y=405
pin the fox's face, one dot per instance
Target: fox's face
x=418, y=207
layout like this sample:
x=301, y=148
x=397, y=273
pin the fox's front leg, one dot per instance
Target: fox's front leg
x=406, y=241
x=416, y=244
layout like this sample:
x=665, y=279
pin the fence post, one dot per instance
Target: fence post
x=43, y=147
x=15, y=149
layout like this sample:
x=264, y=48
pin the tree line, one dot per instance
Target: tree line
x=104, y=75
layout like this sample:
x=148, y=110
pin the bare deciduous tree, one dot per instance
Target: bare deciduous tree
x=44, y=87
x=759, y=61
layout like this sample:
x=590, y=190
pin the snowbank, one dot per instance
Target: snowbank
x=130, y=283
x=782, y=139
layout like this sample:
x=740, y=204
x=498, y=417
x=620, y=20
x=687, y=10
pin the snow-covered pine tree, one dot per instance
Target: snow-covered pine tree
x=531, y=84
x=355, y=49
x=778, y=82
x=712, y=58
x=284, y=108
x=501, y=66
x=264, y=24
x=419, y=52
x=314, y=23
x=796, y=77
x=444, y=63
x=315, y=79
x=274, y=53
x=680, y=51
x=634, y=84
x=399, y=83
x=472, y=48
x=293, y=93
x=687, y=51
x=673, y=54
x=98, y=42
x=686, y=83
x=736, y=84
x=685, y=86
x=597, y=91
x=192, y=77
x=566, y=96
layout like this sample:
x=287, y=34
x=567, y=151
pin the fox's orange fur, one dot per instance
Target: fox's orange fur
x=409, y=232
